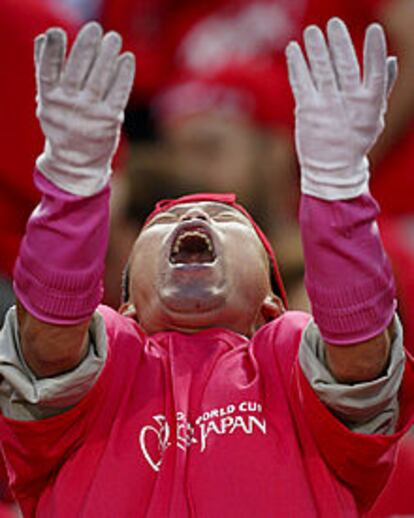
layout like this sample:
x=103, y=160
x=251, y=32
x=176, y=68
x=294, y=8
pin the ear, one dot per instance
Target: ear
x=272, y=307
x=127, y=309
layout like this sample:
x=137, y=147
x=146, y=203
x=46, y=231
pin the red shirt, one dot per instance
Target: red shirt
x=204, y=425
x=397, y=498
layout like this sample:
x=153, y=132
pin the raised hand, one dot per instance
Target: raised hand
x=81, y=102
x=339, y=114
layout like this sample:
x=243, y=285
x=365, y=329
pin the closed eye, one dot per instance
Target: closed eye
x=163, y=218
x=228, y=216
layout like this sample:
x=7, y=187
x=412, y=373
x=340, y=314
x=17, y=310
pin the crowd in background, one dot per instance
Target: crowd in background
x=211, y=110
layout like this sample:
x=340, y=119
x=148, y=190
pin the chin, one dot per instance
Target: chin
x=192, y=298
x=193, y=288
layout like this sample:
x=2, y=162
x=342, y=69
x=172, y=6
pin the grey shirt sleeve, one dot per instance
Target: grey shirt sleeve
x=25, y=397
x=368, y=407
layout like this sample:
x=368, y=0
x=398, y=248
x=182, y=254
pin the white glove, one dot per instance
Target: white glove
x=339, y=116
x=81, y=103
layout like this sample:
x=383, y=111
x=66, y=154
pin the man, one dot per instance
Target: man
x=204, y=398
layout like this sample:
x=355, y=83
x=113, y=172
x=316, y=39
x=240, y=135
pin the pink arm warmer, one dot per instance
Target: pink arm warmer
x=58, y=274
x=348, y=276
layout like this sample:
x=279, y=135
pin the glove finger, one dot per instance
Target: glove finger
x=375, y=61
x=344, y=56
x=82, y=56
x=105, y=64
x=320, y=60
x=119, y=90
x=39, y=43
x=299, y=76
x=392, y=73
x=51, y=58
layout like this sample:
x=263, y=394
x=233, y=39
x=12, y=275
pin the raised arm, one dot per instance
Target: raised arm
x=58, y=275
x=339, y=116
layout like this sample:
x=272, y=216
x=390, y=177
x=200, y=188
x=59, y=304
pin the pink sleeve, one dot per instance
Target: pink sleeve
x=347, y=273
x=58, y=274
x=363, y=462
x=33, y=450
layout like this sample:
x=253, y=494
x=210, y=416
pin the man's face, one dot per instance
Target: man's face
x=199, y=265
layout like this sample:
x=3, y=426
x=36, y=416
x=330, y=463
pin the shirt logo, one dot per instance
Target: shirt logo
x=154, y=439
x=158, y=433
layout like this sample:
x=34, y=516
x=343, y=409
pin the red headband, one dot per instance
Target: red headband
x=228, y=199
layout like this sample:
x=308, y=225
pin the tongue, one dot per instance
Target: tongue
x=187, y=257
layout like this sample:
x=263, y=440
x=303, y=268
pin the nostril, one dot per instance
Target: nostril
x=194, y=215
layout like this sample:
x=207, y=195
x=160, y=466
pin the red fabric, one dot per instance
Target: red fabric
x=8, y=511
x=397, y=498
x=258, y=88
x=228, y=46
x=398, y=235
x=363, y=462
x=151, y=29
x=228, y=199
x=157, y=31
x=20, y=136
x=201, y=425
x=393, y=180
x=213, y=48
x=356, y=16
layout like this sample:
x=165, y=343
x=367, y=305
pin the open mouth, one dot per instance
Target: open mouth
x=192, y=246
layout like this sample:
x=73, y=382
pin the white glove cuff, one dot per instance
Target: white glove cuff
x=338, y=184
x=81, y=181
